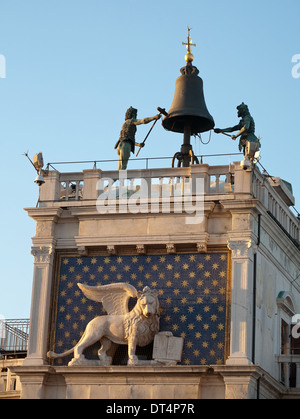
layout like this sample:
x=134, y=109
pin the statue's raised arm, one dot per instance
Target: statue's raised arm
x=246, y=128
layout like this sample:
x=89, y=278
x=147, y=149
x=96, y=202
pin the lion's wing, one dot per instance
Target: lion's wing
x=114, y=297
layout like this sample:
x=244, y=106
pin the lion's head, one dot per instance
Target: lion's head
x=148, y=302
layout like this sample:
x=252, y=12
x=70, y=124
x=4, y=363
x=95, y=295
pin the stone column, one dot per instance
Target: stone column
x=40, y=306
x=241, y=302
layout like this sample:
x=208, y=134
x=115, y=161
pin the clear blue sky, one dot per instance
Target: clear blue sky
x=74, y=66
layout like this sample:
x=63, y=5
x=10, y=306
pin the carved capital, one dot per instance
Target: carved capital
x=42, y=254
x=241, y=248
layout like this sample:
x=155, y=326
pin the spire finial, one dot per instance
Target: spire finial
x=189, y=56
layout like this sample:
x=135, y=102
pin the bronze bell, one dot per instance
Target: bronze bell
x=188, y=113
x=188, y=108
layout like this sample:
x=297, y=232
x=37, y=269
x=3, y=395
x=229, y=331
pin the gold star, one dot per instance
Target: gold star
x=184, y=283
x=184, y=300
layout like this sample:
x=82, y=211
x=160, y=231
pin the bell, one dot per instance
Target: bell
x=39, y=180
x=188, y=108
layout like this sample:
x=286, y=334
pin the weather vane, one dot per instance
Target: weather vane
x=189, y=56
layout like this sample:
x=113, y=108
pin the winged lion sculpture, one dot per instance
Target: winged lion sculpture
x=121, y=326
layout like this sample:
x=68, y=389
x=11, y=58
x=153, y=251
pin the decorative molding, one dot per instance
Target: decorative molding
x=83, y=251
x=202, y=247
x=171, y=248
x=141, y=249
x=111, y=250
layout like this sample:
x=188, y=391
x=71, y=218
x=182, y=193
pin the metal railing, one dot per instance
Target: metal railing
x=14, y=335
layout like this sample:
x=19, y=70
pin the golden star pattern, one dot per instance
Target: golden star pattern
x=193, y=294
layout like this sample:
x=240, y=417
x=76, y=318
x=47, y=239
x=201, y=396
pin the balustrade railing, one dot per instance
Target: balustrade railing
x=14, y=335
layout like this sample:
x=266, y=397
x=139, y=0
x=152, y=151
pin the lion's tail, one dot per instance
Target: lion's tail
x=54, y=355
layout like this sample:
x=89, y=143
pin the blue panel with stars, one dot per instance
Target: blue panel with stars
x=193, y=293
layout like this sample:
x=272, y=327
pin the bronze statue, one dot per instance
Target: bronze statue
x=246, y=128
x=126, y=142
